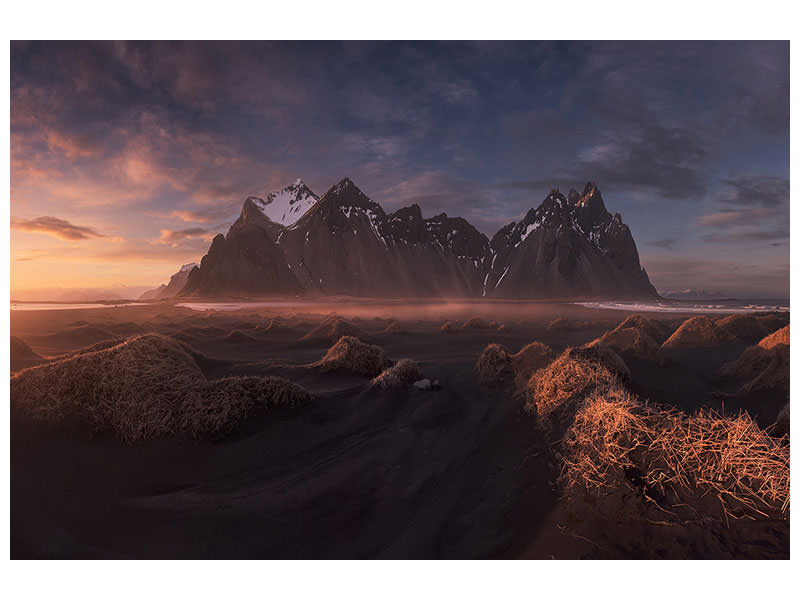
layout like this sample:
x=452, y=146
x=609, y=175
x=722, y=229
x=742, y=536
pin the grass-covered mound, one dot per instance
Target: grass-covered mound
x=564, y=324
x=698, y=332
x=448, y=327
x=477, y=323
x=636, y=337
x=493, y=364
x=529, y=360
x=332, y=329
x=746, y=327
x=675, y=459
x=237, y=337
x=576, y=373
x=657, y=330
x=351, y=353
x=764, y=366
x=146, y=387
x=394, y=328
x=776, y=339
x=403, y=372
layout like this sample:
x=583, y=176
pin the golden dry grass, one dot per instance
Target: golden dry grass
x=394, y=328
x=477, y=323
x=332, y=329
x=657, y=330
x=146, y=387
x=403, y=372
x=493, y=364
x=351, y=353
x=772, y=322
x=563, y=324
x=743, y=326
x=698, y=332
x=577, y=372
x=779, y=337
x=530, y=359
x=237, y=337
x=632, y=341
x=616, y=439
x=765, y=366
x=448, y=327
x=224, y=404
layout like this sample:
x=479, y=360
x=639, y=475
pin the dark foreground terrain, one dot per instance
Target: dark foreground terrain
x=463, y=471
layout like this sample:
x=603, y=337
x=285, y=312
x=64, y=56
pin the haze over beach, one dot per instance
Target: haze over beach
x=416, y=300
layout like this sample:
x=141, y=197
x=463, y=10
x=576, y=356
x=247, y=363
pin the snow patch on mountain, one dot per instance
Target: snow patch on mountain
x=286, y=206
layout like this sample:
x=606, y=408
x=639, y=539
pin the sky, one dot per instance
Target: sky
x=127, y=158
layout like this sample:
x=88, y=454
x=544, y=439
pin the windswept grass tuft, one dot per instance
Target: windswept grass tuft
x=683, y=459
x=493, y=364
x=572, y=376
x=146, y=387
x=351, y=353
x=403, y=372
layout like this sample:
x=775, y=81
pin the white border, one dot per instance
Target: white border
x=415, y=19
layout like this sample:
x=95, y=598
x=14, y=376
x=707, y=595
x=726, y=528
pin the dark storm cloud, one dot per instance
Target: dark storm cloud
x=59, y=228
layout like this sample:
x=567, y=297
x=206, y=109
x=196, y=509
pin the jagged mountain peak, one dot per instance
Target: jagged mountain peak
x=285, y=206
x=566, y=247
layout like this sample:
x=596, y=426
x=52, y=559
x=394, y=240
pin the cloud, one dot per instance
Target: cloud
x=730, y=218
x=175, y=237
x=208, y=215
x=666, y=243
x=761, y=213
x=655, y=159
x=752, y=234
x=59, y=228
x=767, y=191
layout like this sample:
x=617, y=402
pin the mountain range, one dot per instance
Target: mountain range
x=294, y=243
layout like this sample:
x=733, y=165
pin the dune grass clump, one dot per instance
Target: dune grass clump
x=681, y=459
x=222, y=405
x=698, y=332
x=94, y=347
x=562, y=324
x=765, y=366
x=332, y=329
x=657, y=330
x=448, y=327
x=403, y=372
x=351, y=353
x=632, y=339
x=144, y=388
x=775, y=339
x=744, y=327
x=529, y=360
x=477, y=323
x=771, y=321
x=393, y=328
x=494, y=363
x=237, y=337
x=576, y=373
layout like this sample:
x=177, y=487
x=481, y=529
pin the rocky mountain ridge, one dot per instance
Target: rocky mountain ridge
x=346, y=244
